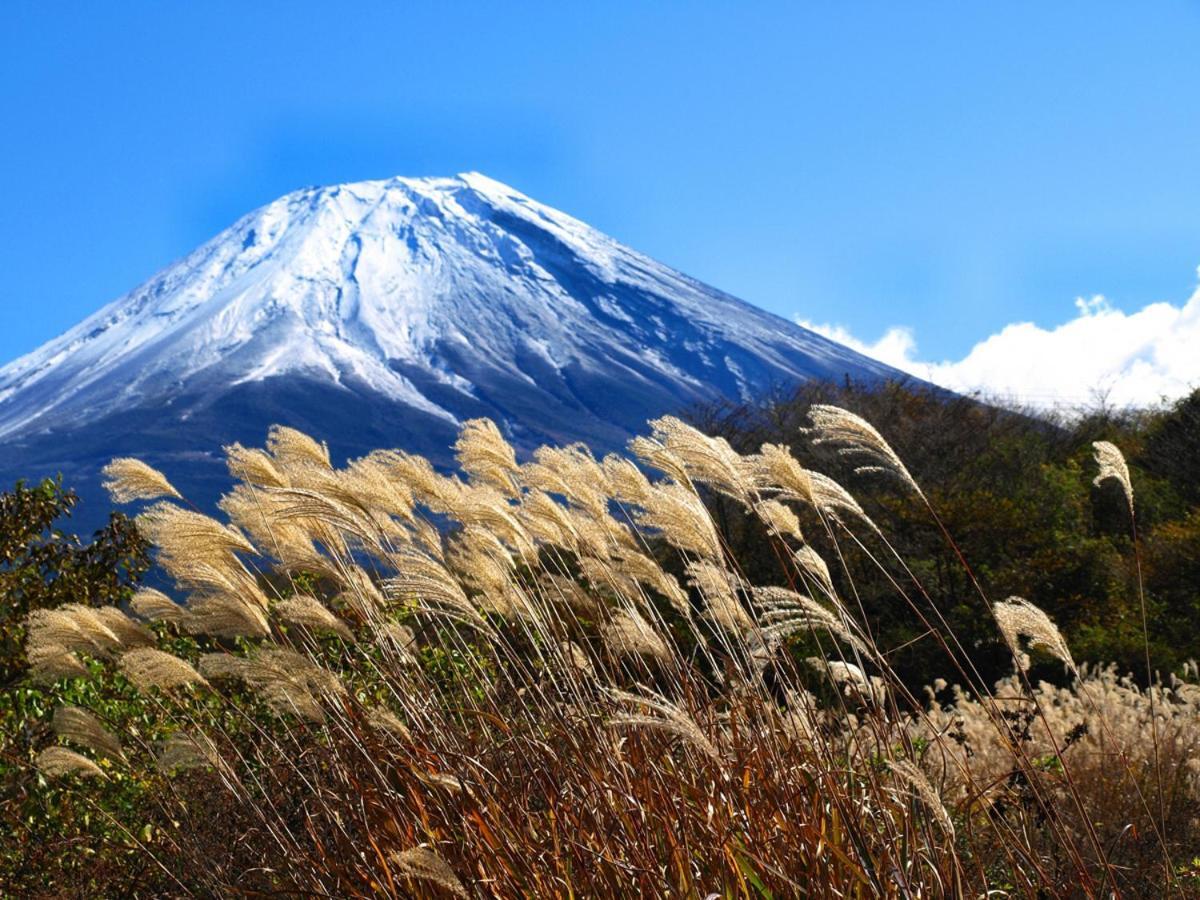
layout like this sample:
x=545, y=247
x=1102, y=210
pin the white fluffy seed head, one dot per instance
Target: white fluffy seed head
x=127, y=480
x=150, y=668
x=82, y=728
x=309, y=612
x=422, y=864
x=1018, y=618
x=854, y=436
x=1112, y=465
x=58, y=762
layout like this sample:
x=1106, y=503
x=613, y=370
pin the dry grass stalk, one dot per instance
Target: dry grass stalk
x=508, y=704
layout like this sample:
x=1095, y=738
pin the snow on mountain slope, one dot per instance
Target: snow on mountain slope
x=390, y=310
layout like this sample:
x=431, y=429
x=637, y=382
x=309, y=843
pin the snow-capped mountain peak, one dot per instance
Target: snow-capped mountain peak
x=417, y=302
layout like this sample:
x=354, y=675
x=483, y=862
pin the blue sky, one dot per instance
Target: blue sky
x=951, y=168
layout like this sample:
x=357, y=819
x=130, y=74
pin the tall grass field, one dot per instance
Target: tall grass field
x=558, y=679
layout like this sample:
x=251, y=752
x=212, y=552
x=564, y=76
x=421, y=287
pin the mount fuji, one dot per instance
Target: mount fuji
x=382, y=314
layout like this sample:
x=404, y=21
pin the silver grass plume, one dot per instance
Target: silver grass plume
x=291, y=447
x=73, y=627
x=1112, y=465
x=57, y=762
x=149, y=668
x=850, y=678
x=422, y=864
x=628, y=634
x=309, y=612
x=50, y=662
x=572, y=594
x=398, y=641
x=287, y=681
x=811, y=564
x=831, y=499
x=253, y=466
x=185, y=750
x=227, y=577
x=655, y=454
x=360, y=594
x=914, y=778
x=82, y=728
x=624, y=480
x=601, y=574
x=127, y=480
x=670, y=719
x=599, y=534
x=719, y=587
x=129, y=633
x=417, y=475
x=706, y=459
x=854, y=436
x=779, y=518
x=423, y=583
x=190, y=535
x=226, y=615
x=487, y=508
x=1017, y=617
x=547, y=521
x=388, y=722
x=258, y=513
x=368, y=483
x=571, y=472
x=484, y=454
x=315, y=510
x=576, y=659
x=680, y=515
x=155, y=606
x=776, y=469
x=649, y=573
x=800, y=718
x=786, y=612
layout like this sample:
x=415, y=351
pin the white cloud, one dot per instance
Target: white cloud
x=1136, y=358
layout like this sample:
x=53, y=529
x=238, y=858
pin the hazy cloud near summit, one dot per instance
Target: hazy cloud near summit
x=1136, y=358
